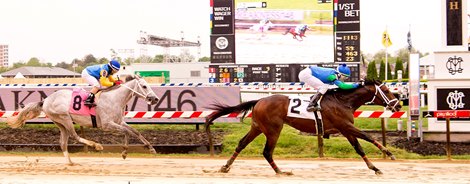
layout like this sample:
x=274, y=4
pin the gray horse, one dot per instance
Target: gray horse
x=110, y=109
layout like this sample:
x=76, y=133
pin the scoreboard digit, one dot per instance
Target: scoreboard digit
x=347, y=47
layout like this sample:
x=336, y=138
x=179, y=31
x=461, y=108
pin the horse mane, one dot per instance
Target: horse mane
x=372, y=82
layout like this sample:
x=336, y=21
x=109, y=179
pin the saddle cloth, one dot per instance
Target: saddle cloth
x=298, y=107
x=77, y=105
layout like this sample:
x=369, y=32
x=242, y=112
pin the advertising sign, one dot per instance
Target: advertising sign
x=223, y=48
x=171, y=98
x=454, y=22
x=452, y=65
x=453, y=99
x=222, y=31
x=348, y=47
x=347, y=15
x=347, y=31
x=222, y=17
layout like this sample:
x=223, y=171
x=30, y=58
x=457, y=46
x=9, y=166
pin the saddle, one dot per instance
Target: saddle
x=77, y=105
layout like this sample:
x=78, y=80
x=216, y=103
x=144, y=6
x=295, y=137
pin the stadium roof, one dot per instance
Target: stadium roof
x=40, y=72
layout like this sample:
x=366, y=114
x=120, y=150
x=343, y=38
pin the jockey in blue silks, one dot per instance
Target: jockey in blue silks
x=320, y=78
x=100, y=76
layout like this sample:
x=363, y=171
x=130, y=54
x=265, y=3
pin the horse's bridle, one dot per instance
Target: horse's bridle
x=384, y=98
x=136, y=92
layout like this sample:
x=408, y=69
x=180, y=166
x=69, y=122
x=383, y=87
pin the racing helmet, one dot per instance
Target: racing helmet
x=114, y=64
x=343, y=69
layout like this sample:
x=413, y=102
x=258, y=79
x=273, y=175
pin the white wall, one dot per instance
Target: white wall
x=444, y=79
x=179, y=72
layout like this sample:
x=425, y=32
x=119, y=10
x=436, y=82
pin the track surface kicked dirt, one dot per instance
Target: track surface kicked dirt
x=199, y=137
x=39, y=169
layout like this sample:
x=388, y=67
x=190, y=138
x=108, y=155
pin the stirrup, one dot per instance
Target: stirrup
x=88, y=104
x=312, y=108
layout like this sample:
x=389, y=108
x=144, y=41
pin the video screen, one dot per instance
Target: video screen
x=283, y=32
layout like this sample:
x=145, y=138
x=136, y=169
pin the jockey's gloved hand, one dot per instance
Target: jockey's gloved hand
x=118, y=82
x=356, y=85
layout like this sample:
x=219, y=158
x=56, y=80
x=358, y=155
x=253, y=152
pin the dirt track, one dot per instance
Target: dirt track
x=39, y=169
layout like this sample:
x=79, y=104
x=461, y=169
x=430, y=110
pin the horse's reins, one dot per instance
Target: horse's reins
x=136, y=92
x=384, y=97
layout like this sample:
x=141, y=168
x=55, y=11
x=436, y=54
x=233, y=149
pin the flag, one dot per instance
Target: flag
x=410, y=46
x=386, y=39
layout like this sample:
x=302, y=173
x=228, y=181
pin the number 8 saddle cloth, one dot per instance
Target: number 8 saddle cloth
x=77, y=103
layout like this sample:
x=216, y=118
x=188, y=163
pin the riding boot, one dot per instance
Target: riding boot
x=90, y=100
x=313, y=105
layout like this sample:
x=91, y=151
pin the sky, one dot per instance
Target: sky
x=62, y=30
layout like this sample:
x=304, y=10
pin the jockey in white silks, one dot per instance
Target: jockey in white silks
x=263, y=25
x=300, y=29
x=263, y=22
x=321, y=78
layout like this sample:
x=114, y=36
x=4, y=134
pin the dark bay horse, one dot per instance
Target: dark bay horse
x=338, y=106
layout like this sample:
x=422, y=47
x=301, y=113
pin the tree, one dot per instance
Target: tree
x=33, y=62
x=406, y=72
x=64, y=65
x=205, y=59
x=404, y=54
x=90, y=60
x=382, y=71
x=380, y=55
x=398, y=66
x=158, y=58
x=113, y=54
x=3, y=69
x=185, y=56
x=128, y=61
x=389, y=72
x=18, y=64
x=372, y=71
x=143, y=59
x=103, y=60
x=78, y=62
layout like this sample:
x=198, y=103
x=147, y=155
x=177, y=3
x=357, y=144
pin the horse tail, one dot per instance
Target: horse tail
x=221, y=110
x=30, y=111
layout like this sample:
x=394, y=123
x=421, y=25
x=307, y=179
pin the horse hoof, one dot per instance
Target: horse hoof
x=124, y=155
x=98, y=147
x=378, y=173
x=152, y=151
x=285, y=173
x=393, y=157
x=73, y=164
x=224, y=169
